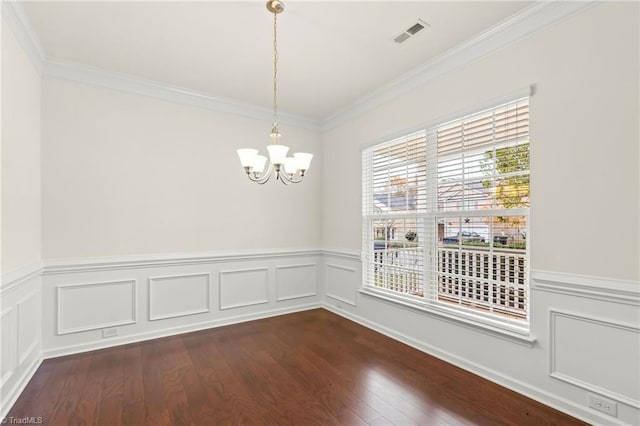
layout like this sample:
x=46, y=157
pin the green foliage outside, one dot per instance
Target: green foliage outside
x=513, y=191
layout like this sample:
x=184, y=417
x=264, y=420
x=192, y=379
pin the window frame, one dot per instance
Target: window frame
x=514, y=329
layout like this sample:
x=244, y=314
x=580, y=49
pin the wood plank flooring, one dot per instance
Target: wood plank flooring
x=308, y=368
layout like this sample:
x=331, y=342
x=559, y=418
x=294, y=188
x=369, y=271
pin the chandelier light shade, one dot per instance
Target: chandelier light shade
x=285, y=169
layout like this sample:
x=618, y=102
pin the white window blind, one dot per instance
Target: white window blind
x=394, y=188
x=446, y=212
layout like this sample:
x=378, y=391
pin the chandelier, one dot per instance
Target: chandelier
x=286, y=169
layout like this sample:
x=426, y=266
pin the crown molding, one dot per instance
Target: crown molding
x=14, y=17
x=122, y=82
x=528, y=21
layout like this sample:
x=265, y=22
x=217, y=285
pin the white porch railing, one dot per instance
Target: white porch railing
x=399, y=270
x=478, y=278
x=473, y=277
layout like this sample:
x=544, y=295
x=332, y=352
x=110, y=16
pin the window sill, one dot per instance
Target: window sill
x=473, y=322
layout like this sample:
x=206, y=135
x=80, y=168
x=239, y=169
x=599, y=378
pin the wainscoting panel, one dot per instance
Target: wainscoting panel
x=178, y=295
x=163, y=295
x=341, y=283
x=28, y=325
x=572, y=336
x=243, y=287
x=9, y=344
x=295, y=281
x=20, y=332
x=83, y=307
x=263, y=284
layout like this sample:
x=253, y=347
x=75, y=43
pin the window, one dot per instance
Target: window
x=446, y=215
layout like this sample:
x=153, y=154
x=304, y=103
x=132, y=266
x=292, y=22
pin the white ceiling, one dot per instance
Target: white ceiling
x=331, y=53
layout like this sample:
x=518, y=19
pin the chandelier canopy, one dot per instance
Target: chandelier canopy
x=286, y=169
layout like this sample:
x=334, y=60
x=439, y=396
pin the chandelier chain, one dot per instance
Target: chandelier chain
x=275, y=69
x=286, y=169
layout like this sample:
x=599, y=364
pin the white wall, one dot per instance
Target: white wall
x=584, y=140
x=20, y=156
x=20, y=307
x=125, y=174
x=584, y=216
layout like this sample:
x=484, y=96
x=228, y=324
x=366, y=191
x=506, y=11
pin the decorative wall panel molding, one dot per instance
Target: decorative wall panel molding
x=599, y=288
x=582, y=350
x=341, y=283
x=20, y=337
x=243, y=287
x=8, y=352
x=296, y=281
x=179, y=295
x=28, y=309
x=91, y=306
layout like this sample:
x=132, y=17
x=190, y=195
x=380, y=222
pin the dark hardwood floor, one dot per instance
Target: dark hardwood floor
x=306, y=368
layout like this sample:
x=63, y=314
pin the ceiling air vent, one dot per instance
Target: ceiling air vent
x=402, y=37
x=417, y=27
x=411, y=31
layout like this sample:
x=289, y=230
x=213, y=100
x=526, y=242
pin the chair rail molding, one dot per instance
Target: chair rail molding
x=599, y=288
x=95, y=264
x=14, y=278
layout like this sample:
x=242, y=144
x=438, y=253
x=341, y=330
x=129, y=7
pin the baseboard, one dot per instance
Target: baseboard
x=167, y=332
x=551, y=400
x=18, y=388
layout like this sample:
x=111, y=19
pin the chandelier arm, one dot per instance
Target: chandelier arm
x=288, y=179
x=264, y=178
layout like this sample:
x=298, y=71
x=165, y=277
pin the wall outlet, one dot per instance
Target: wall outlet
x=604, y=405
x=109, y=332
